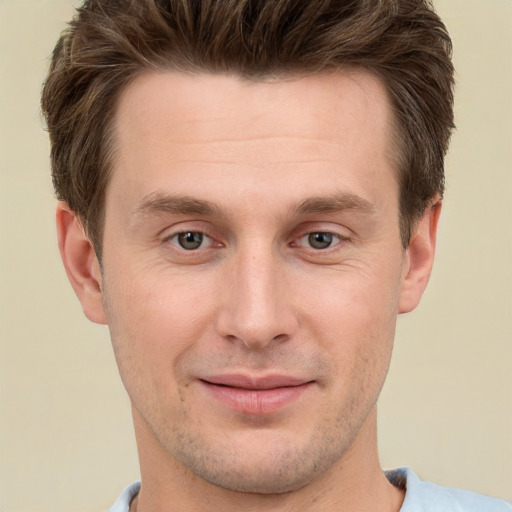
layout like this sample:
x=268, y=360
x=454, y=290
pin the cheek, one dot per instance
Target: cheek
x=154, y=323
x=354, y=317
x=150, y=302
x=354, y=302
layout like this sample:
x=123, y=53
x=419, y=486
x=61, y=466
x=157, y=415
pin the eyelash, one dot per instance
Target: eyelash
x=176, y=236
x=333, y=240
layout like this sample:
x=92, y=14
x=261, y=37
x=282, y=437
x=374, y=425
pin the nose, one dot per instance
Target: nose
x=257, y=308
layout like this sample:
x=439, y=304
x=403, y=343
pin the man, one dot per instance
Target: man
x=249, y=195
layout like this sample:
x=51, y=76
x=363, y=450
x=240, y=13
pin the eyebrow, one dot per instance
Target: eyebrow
x=159, y=202
x=163, y=203
x=335, y=203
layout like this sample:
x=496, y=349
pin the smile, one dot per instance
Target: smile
x=255, y=395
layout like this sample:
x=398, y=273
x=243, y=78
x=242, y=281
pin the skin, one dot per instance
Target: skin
x=256, y=168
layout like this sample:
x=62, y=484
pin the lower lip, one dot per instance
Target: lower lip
x=256, y=401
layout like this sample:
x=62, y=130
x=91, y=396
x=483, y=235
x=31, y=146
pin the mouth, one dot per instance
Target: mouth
x=255, y=395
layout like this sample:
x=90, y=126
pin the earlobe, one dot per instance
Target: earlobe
x=419, y=258
x=82, y=266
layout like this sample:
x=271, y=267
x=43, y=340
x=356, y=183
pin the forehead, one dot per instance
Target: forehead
x=189, y=104
x=171, y=128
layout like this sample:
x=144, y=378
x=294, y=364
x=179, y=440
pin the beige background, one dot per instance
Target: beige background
x=66, y=440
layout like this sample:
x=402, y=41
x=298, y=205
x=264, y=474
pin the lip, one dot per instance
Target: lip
x=255, y=395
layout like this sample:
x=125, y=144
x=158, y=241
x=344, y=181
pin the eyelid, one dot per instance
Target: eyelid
x=171, y=232
x=334, y=235
x=310, y=227
x=301, y=241
x=170, y=239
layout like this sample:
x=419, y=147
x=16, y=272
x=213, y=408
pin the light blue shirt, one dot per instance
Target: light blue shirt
x=419, y=496
x=429, y=497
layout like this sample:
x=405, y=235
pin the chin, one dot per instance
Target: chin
x=259, y=480
x=275, y=466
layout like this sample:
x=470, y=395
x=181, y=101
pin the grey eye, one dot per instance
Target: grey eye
x=320, y=240
x=190, y=240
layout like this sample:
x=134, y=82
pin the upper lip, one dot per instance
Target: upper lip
x=255, y=382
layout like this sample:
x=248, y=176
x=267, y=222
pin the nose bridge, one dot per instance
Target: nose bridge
x=257, y=309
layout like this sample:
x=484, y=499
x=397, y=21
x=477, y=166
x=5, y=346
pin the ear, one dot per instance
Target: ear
x=80, y=262
x=419, y=258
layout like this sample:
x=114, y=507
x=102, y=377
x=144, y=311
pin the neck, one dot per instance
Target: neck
x=354, y=483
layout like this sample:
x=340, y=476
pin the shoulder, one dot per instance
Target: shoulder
x=429, y=497
x=123, y=502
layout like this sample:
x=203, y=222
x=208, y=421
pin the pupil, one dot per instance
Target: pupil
x=320, y=240
x=190, y=240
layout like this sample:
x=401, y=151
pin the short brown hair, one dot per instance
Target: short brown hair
x=110, y=42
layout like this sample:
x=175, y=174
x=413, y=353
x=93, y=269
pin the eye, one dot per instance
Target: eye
x=190, y=240
x=320, y=240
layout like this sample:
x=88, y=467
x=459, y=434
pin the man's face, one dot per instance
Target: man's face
x=252, y=271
